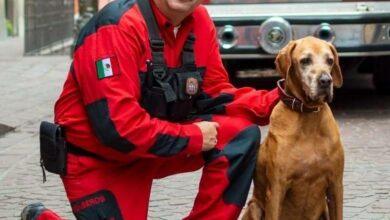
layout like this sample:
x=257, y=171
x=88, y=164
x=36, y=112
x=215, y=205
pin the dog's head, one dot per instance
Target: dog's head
x=311, y=69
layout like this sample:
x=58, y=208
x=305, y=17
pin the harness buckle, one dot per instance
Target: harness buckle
x=159, y=72
x=191, y=38
x=157, y=45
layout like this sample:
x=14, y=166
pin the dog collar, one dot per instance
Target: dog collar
x=292, y=102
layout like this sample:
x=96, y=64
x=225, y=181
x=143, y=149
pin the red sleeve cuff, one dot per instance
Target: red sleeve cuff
x=275, y=96
x=196, y=139
x=273, y=99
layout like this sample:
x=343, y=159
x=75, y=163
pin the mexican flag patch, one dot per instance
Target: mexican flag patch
x=107, y=67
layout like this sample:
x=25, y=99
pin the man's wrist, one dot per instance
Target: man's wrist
x=195, y=136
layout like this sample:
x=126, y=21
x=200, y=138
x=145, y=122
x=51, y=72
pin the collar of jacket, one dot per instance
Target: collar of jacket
x=292, y=102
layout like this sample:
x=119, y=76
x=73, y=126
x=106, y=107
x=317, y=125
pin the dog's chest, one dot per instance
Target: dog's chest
x=311, y=161
x=307, y=145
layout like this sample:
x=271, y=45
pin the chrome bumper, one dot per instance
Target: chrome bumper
x=360, y=29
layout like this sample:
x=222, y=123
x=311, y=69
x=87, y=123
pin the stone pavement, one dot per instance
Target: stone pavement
x=30, y=85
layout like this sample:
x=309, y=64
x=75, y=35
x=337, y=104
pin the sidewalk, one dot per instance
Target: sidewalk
x=30, y=85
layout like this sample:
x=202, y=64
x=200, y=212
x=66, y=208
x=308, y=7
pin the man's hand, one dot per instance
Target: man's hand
x=209, y=131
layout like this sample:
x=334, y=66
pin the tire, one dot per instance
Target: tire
x=381, y=77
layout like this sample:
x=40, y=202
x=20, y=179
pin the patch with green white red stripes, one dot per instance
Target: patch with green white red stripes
x=107, y=67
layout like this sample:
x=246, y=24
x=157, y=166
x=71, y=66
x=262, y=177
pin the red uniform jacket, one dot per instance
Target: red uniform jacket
x=102, y=114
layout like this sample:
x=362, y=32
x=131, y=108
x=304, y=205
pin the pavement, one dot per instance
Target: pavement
x=29, y=87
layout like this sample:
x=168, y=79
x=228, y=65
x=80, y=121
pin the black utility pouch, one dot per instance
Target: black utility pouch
x=53, y=149
x=153, y=101
x=188, y=86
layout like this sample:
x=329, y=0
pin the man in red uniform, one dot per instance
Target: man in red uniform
x=121, y=135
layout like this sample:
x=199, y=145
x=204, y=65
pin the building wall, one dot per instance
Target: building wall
x=3, y=28
x=15, y=13
x=56, y=25
x=76, y=8
x=21, y=22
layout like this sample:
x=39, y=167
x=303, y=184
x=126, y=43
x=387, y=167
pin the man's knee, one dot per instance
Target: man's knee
x=241, y=153
x=242, y=150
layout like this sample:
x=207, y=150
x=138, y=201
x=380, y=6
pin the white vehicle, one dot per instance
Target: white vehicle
x=250, y=30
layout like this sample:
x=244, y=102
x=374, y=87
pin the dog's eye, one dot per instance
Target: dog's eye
x=305, y=61
x=330, y=61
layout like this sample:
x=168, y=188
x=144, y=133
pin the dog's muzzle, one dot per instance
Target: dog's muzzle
x=325, y=81
x=325, y=88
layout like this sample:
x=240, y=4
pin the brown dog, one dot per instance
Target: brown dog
x=299, y=173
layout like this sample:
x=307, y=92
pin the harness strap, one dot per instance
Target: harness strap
x=154, y=34
x=169, y=94
x=188, y=58
x=155, y=40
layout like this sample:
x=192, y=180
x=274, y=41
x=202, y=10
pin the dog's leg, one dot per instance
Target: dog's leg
x=274, y=198
x=252, y=211
x=335, y=200
x=325, y=214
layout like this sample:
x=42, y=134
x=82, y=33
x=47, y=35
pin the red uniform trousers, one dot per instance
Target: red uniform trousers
x=99, y=189
x=103, y=116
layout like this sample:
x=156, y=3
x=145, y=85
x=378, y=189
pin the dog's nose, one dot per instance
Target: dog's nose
x=325, y=81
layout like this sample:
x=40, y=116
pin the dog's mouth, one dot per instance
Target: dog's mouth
x=317, y=94
x=321, y=96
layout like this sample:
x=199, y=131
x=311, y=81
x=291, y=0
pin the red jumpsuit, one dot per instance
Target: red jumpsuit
x=101, y=114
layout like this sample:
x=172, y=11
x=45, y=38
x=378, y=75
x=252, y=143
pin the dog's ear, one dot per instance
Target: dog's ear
x=336, y=70
x=283, y=61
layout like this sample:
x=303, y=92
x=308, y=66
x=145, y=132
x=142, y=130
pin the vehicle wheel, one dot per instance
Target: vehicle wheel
x=381, y=77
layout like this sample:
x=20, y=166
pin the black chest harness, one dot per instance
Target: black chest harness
x=169, y=93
